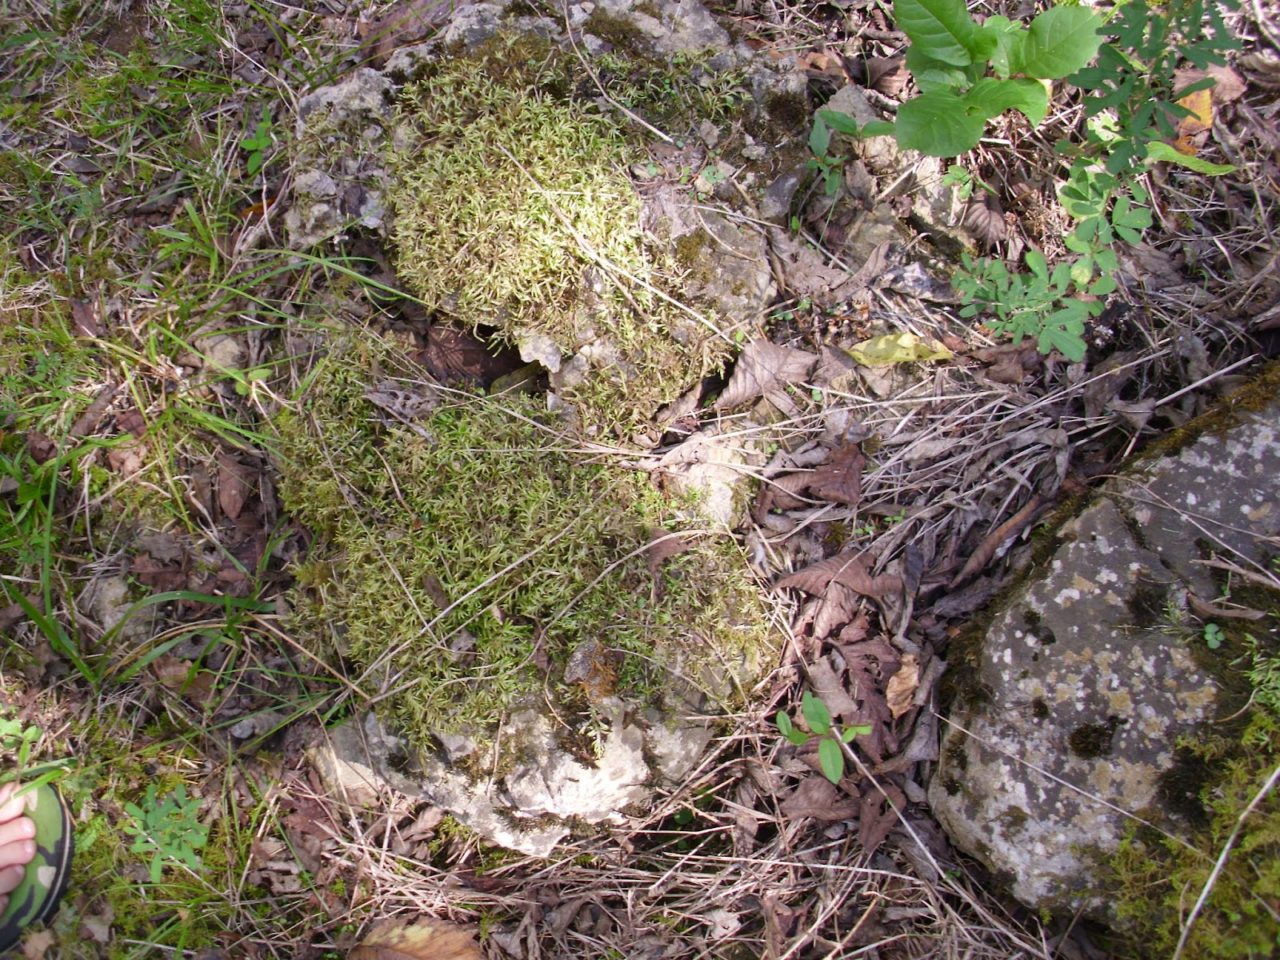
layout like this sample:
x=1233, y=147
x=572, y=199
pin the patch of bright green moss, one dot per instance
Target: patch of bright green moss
x=465, y=569
x=513, y=209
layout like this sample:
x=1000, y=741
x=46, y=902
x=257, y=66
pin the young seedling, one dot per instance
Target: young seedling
x=832, y=738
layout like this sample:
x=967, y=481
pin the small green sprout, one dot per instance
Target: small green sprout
x=832, y=737
x=1213, y=636
x=258, y=142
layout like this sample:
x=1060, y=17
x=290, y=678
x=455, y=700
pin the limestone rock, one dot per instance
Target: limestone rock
x=1085, y=682
x=673, y=26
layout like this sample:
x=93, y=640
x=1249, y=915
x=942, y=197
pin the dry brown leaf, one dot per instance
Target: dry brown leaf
x=416, y=940
x=848, y=569
x=126, y=459
x=877, y=818
x=764, y=367
x=840, y=479
x=996, y=538
x=818, y=798
x=84, y=317
x=235, y=485
x=984, y=217
x=406, y=24
x=901, y=689
x=830, y=689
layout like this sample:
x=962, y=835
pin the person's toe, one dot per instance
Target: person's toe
x=11, y=807
x=17, y=851
x=10, y=877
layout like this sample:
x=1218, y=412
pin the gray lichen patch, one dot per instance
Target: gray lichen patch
x=475, y=564
x=1093, y=683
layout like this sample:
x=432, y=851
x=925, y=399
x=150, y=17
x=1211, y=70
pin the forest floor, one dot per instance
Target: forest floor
x=147, y=306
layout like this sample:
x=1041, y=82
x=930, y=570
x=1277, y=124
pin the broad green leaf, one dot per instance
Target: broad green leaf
x=1007, y=35
x=938, y=124
x=857, y=730
x=1082, y=271
x=819, y=137
x=1037, y=264
x=1103, y=285
x=831, y=759
x=1158, y=151
x=990, y=97
x=931, y=74
x=894, y=348
x=794, y=736
x=840, y=122
x=1059, y=42
x=942, y=29
x=815, y=713
x=877, y=128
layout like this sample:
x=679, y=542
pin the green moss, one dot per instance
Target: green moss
x=465, y=570
x=513, y=210
x=1214, y=780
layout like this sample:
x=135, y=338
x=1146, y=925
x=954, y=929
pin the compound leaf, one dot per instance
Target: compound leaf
x=1059, y=42
x=943, y=30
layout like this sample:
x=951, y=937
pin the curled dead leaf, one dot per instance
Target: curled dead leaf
x=764, y=367
x=416, y=940
x=901, y=689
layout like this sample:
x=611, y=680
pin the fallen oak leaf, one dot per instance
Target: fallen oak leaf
x=416, y=940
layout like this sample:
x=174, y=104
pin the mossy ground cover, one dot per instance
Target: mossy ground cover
x=1224, y=787
x=514, y=209
x=463, y=570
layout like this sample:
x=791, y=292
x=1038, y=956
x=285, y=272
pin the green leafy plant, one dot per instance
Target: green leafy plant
x=969, y=73
x=258, y=143
x=167, y=829
x=832, y=738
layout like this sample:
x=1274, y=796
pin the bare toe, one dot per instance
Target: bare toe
x=17, y=853
x=11, y=807
x=10, y=877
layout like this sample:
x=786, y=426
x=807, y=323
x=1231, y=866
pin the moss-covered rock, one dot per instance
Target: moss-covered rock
x=473, y=564
x=513, y=209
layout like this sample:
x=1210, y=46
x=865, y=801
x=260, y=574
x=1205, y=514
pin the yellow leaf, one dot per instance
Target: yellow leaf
x=416, y=940
x=897, y=348
x=1200, y=119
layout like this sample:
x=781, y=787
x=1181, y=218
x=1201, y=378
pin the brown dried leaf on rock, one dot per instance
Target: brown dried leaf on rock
x=406, y=24
x=848, y=569
x=416, y=940
x=764, y=367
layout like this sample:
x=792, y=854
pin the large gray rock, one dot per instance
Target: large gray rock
x=1087, y=676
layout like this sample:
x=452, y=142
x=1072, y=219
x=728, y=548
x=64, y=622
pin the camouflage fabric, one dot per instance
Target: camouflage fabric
x=36, y=898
